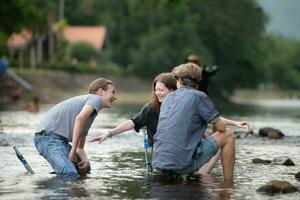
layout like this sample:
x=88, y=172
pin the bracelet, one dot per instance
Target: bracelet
x=110, y=133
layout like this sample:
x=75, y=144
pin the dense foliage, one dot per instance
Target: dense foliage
x=151, y=36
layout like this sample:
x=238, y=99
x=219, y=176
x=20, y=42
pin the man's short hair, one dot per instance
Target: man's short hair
x=189, y=74
x=99, y=83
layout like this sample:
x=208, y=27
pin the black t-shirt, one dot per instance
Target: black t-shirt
x=147, y=117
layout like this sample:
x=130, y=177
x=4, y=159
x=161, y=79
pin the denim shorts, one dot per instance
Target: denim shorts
x=55, y=149
x=205, y=151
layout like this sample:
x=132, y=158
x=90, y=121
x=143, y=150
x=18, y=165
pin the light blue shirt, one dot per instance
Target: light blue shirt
x=184, y=116
x=60, y=119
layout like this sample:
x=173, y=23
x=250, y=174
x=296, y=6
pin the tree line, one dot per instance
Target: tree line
x=151, y=36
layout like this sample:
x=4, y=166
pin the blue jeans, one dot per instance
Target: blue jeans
x=55, y=149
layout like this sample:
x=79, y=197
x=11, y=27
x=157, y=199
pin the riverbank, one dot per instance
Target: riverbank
x=54, y=86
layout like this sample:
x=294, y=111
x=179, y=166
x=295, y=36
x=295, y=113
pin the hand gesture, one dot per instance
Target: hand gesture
x=100, y=138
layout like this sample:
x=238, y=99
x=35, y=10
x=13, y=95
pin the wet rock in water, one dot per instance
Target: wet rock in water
x=297, y=176
x=4, y=143
x=277, y=186
x=284, y=160
x=260, y=161
x=243, y=134
x=271, y=133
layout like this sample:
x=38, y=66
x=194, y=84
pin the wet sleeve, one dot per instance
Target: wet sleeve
x=206, y=108
x=95, y=102
x=141, y=119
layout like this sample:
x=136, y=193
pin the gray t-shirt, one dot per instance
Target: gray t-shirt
x=184, y=116
x=61, y=118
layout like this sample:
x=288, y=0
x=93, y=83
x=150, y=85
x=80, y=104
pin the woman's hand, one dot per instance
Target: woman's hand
x=100, y=138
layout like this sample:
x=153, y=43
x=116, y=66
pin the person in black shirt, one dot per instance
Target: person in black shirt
x=163, y=84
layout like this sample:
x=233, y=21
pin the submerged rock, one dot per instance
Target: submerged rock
x=284, y=160
x=277, y=186
x=260, y=161
x=271, y=133
x=4, y=143
x=297, y=176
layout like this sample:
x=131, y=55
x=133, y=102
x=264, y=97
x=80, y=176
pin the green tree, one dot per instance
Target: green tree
x=150, y=36
x=281, y=65
x=83, y=51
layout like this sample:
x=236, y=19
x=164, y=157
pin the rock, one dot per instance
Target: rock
x=271, y=133
x=275, y=135
x=260, y=161
x=297, y=176
x=277, y=186
x=4, y=143
x=284, y=160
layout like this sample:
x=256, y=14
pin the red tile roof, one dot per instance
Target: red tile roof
x=17, y=40
x=95, y=35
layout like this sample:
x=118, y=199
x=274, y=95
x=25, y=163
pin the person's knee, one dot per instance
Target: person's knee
x=230, y=137
x=230, y=134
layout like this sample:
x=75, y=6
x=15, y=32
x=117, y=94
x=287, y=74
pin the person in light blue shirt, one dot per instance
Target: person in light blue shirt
x=179, y=144
x=69, y=121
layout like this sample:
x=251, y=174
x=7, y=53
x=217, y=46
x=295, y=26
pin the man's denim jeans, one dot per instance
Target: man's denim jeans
x=55, y=149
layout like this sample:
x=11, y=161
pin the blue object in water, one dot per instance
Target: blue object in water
x=146, y=143
x=22, y=159
x=3, y=66
x=146, y=146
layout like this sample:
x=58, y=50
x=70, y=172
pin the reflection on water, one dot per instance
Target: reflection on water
x=118, y=165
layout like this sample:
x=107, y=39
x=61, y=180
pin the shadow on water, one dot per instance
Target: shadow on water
x=59, y=188
x=196, y=187
x=123, y=175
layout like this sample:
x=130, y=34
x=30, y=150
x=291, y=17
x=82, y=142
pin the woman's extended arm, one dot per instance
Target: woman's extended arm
x=125, y=126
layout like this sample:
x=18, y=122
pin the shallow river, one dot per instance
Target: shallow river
x=118, y=164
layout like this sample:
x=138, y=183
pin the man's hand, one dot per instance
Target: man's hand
x=84, y=166
x=243, y=124
x=100, y=138
x=72, y=154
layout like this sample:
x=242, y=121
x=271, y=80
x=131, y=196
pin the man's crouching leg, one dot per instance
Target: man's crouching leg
x=226, y=142
x=57, y=156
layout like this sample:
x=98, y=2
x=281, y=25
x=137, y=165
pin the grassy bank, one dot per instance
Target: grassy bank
x=54, y=86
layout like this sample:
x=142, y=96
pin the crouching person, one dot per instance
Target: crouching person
x=69, y=121
x=179, y=143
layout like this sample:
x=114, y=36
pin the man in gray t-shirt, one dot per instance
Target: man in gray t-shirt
x=179, y=143
x=69, y=121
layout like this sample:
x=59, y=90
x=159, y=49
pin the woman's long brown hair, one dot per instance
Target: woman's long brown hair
x=170, y=83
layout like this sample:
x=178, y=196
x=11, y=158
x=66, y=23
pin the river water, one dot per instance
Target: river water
x=118, y=164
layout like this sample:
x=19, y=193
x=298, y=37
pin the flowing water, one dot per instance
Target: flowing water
x=118, y=164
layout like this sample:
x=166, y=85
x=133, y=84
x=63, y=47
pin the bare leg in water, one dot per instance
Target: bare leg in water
x=226, y=142
x=207, y=167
